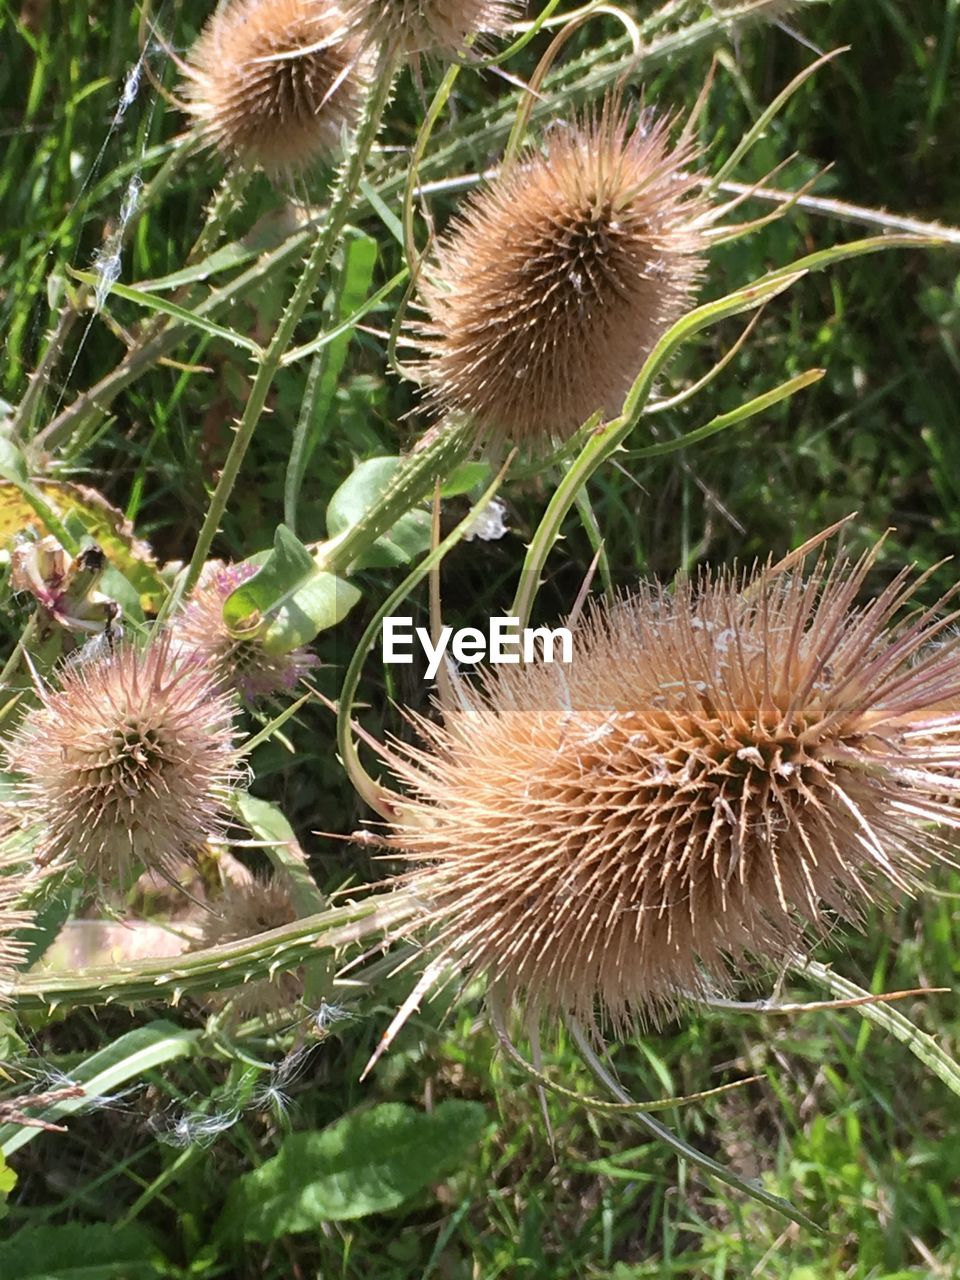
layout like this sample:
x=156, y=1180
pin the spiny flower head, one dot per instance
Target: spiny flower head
x=432, y=27
x=274, y=82
x=241, y=663
x=247, y=908
x=553, y=284
x=127, y=763
x=722, y=766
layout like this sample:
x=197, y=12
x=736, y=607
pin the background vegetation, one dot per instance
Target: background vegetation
x=843, y=1119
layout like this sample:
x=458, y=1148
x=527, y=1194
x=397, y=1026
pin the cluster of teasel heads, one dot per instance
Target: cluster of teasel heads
x=723, y=768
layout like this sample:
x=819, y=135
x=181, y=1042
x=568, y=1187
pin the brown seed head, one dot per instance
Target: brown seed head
x=241, y=663
x=274, y=82
x=246, y=909
x=720, y=767
x=127, y=765
x=554, y=283
x=432, y=27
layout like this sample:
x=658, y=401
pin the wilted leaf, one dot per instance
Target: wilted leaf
x=107, y=526
x=368, y=1162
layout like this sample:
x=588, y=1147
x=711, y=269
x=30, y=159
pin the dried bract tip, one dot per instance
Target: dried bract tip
x=127, y=765
x=553, y=285
x=241, y=663
x=14, y=919
x=441, y=28
x=722, y=767
x=275, y=82
x=244, y=910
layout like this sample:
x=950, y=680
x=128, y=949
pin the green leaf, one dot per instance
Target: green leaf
x=368, y=1162
x=153, y=302
x=80, y=1251
x=289, y=599
x=122, y=1060
x=469, y=475
x=359, y=494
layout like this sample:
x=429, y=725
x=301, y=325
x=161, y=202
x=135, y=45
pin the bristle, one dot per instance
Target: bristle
x=438, y=28
x=275, y=82
x=722, y=768
x=554, y=283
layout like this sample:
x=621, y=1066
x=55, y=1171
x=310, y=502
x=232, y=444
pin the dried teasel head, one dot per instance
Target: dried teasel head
x=275, y=82
x=126, y=764
x=440, y=28
x=554, y=283
x=241, y=662
x=250, y=906
x=721, y=768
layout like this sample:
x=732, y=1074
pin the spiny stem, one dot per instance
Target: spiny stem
x=309, y=279
x=215, y=968
x=755, y=1190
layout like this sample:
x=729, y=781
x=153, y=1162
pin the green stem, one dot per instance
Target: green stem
x=414, y=481
x=309, y=279
x=755, y=1190
x=215, y=968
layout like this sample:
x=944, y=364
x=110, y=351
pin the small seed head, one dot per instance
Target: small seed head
x=438, y=28
x=241, y=663
x=275, y=82
x=127, y=764
x=245, y=909
x=552, y=286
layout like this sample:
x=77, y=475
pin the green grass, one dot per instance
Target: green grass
x=843, y=1120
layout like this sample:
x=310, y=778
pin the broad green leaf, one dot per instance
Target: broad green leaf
x=359, y=494
x=368, y=1162
x=8, y=1180
x=289, y=599
x=321, y=603
x=287, y=567
x=80, y=1251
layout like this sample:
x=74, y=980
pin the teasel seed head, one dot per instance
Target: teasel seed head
x=275, y=82
x=438, y=28
x=126, y=764
x=552, y=286
x=722, y=769
x=242, y=663
x=246, y=908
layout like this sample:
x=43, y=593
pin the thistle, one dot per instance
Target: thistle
x=275, y=82
x=433, y=27
x=127, y=764
x=247, y=908
x=553, y=284
x=240, y=662
x=724, y=768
